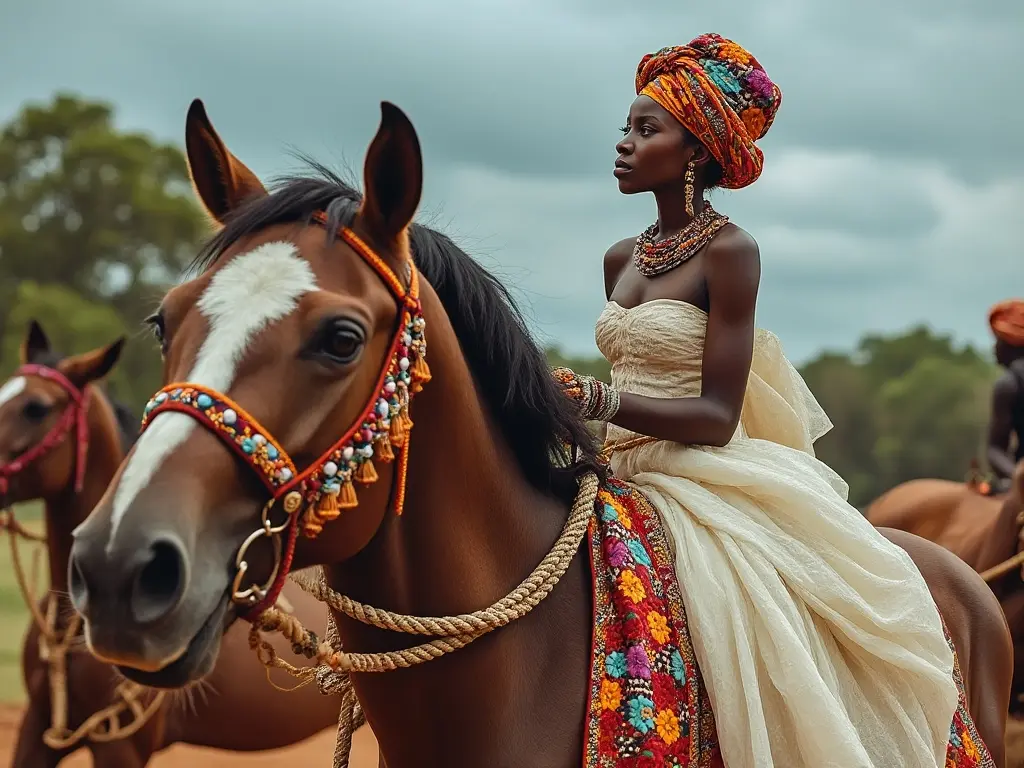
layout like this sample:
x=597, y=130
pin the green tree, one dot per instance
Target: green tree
x=931, y=420
x=904, y=406
x=74, y=325
x=107, y=213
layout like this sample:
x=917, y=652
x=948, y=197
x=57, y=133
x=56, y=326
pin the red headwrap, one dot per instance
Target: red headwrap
x=721, y=94
x=1007, y=321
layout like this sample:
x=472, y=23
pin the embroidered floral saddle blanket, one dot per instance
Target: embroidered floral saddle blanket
x=648, y=704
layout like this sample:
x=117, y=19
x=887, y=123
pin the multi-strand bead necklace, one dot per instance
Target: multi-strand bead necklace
x=654, y=258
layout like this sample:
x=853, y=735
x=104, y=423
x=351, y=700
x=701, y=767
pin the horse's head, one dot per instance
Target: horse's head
x=43, y=413
x=289, y=362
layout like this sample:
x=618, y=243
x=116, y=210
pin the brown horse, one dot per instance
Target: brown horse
x=33, y=405
x=299, y=323
x=984, y=531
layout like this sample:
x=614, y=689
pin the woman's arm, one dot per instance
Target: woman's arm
x=733, y=272
x=1000, y=428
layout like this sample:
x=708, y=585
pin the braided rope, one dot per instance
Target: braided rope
x=451, y=632
x=1006, y=566
x=54, y=647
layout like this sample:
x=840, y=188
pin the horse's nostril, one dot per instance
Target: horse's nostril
x=77, y=587
x=160, y=583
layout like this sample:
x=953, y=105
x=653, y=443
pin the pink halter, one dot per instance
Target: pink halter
x=75, y=417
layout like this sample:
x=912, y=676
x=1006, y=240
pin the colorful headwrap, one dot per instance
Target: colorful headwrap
x=1007, y=321
x=721, y=94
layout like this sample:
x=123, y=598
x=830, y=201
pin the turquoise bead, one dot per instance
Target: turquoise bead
x=271, y=452
x=204, y=401
x=248, y=446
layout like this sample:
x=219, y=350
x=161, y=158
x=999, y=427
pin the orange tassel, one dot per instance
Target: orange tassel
x=327, y=509
x=397, y=432
x=384, y=450
x=312, y=525
x=406, y=420
x=366, y=473
x=420, y=374
x=347, y=499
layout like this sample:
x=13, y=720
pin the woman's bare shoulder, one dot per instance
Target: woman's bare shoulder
x=615, y=260
x=733, y=265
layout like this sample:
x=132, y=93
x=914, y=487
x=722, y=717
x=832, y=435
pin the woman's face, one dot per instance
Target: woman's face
x=654, y=152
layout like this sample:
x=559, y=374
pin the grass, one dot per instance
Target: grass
x=14, y=615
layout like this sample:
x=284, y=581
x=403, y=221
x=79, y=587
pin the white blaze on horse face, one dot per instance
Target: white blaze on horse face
x=256, y=289
x=12, y=389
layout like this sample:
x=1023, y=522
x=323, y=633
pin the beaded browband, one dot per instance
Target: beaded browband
x=316, y=495
x=75, y=417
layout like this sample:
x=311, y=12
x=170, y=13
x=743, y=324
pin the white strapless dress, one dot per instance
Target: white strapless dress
x=818, y=639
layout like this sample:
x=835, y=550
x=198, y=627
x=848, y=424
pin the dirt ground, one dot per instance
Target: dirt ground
x=315, y=752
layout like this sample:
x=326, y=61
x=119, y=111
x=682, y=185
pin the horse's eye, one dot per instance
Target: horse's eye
x=156, y=327
x=342, y=341
x=35, y=411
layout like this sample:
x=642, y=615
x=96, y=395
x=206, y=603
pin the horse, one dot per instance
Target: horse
x=61, y=441
x=311, y=307
x=983, y=531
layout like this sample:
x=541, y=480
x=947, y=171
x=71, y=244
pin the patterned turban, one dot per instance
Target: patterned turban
x=721, y=94
x=1007, y=321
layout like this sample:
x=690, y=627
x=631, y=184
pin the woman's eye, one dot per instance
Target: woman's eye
x=35, y=411
x=342, y=343
x=624, y=129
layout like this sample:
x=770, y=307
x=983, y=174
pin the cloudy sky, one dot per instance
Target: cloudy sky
x=893, y=189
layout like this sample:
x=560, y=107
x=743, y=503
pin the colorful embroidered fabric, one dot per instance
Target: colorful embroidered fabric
x=721, y=94
x=1007, y=321
x=648, y=705
x=966, y=749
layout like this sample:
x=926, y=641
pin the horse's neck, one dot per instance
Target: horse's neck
x=472, y=526
x=66, y=509
x=472, y=530
x=1001, y=543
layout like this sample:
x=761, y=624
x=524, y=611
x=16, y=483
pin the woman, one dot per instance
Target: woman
x=818, y=639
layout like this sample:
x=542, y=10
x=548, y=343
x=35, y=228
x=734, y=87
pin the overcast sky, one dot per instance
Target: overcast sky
x=893, y=187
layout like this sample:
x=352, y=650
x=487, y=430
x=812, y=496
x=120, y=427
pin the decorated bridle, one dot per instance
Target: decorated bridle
x=75, y=417
x=316, y=495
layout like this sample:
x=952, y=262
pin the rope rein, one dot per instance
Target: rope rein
x=54, y=647
x=450, y=632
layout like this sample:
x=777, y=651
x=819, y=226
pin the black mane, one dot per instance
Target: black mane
x=510, y=370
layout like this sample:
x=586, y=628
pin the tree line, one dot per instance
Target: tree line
x=97, y=222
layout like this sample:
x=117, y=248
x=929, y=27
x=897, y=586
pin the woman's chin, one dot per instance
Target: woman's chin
x=627, y=187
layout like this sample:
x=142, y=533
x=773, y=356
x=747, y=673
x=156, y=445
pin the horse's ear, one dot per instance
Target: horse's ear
x=222, y=181
x=35, y=344
x=392, y=176
x=92, y=366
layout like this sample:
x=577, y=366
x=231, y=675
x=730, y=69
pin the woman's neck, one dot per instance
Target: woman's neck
x=672, y=215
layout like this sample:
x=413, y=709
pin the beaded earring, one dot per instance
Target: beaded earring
x=689, y=189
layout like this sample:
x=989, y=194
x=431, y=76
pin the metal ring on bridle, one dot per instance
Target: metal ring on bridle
x=256, y=592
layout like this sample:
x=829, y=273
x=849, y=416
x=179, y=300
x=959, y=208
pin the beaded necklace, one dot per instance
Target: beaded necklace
x=654, y=258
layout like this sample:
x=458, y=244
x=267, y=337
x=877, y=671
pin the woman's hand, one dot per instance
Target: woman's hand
x=597, y=401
